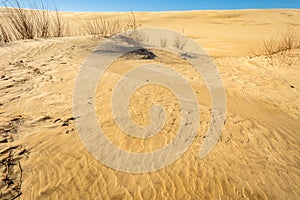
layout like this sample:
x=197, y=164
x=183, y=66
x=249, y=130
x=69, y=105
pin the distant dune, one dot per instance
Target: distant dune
x=221, y=33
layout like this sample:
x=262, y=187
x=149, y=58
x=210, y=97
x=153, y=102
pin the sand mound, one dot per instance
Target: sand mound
x=257, y=156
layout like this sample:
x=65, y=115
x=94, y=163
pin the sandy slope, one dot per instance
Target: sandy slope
x=230, y=33
x=256, y=158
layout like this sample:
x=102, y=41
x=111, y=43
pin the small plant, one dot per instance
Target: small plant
x=108, y=26
x=42, y=20
x=269, y=47
x=35, y=22
x=94, y=26
x=287, y=41
x=180, y=42
x=59, y=26
x=22, y=21
x=163, y=42
x=281, y=48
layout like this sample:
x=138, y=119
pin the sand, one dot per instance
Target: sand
x=257, y=156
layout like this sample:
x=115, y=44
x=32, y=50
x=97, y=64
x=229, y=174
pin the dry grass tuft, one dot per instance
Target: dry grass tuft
x=282, y=48
x=60, y=25
x=39, y=22
x=5, y=35
x=100, y=25
x=35, y=22
x=287, y=41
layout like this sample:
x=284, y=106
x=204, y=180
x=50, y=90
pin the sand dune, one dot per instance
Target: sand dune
x=257, y=156
x=222, y=33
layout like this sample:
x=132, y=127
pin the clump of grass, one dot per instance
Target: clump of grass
x=96, y=25
x=100, y=25
x=5, y=36
x=269, y=47
x=60, y=26
x=22, y=22
x=180, y=41
x=42, y=21
x=282, y=47
x=35, y=22
x=287, y=41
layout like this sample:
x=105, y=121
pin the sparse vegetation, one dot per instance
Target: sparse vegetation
x=4, y=34
x=180, y=41
x=283, y=48
x=105, y=26
x=22, y=22
x=60, y=26
x=287, y=41
x=39, y=22
x=43, y=23
x=35, y=22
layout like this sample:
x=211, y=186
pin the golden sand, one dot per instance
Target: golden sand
x=257, y=156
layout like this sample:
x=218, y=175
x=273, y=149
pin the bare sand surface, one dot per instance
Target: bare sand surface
x=257, y=156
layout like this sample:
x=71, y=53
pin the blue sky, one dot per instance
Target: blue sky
x=166, y=5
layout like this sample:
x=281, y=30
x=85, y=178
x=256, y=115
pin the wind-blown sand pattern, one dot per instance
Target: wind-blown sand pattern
x=257, y=156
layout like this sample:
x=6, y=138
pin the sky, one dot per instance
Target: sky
x=169, y=5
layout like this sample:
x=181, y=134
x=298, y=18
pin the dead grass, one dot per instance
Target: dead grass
x=100, y=25
x=60, y=25
x=22, y=22
x=287, y=41
x=282, y=48
x=39, y=22
x=5, y=35
x=180, y=41
x=36, y=22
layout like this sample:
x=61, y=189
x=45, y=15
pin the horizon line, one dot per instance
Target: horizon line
x=186, y=10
